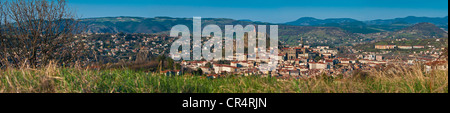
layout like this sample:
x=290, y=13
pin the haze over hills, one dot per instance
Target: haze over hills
x=337, y=31
x=161, y=24
x=150, y=25
x=310, y=21
x=164, y=24
x=439, y=21
x=371, y=26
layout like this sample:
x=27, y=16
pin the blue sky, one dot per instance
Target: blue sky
x=276, y=11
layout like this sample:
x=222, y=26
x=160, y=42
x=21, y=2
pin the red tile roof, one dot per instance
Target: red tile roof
x=223, y=65
x=435, y=63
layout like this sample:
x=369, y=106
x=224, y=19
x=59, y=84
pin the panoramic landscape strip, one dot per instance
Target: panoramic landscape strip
x=45, y=47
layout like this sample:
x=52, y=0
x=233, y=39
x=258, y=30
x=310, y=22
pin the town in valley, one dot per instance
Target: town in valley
x=295, y=62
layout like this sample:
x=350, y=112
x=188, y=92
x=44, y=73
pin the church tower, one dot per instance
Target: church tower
x=303, y=50
x=301, y=40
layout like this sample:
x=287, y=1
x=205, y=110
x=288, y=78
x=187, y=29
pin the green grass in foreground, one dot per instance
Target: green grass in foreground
x=70, y=80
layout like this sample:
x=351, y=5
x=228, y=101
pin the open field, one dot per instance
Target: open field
x=52, y=79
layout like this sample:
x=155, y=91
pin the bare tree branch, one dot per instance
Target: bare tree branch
x=35, y=32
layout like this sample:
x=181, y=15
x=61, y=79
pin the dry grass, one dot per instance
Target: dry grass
x=51, y=79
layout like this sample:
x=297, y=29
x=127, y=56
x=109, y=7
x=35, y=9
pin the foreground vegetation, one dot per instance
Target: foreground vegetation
x=52, y=79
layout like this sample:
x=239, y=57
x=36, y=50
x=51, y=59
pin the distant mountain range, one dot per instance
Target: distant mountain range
x=371, y=26
x=337, y=31
x=150, y=25
x=310, y=21
x=163, y=24
x=411, y=20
